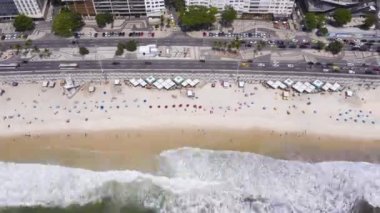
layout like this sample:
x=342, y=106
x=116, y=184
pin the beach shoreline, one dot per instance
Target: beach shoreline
x=138, y=149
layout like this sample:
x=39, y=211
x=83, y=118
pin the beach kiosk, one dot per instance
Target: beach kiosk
x=241, y=84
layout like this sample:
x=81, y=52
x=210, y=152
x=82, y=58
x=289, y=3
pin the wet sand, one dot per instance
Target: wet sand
x=138, y=149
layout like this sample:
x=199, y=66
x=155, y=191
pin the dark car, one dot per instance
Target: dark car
x=25, y=61
x=148, y=62
x=115, y=63
x=95, y=35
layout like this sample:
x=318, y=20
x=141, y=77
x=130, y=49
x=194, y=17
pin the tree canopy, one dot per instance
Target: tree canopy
x=83, y=51
x=197, y=17
x=103, y=18
x=370, y=20
x=313, y=21
x=131, y=45
x=322, y=31
x=342, y=16
x=229, y=14
x=66, y=23
x=335, y=47
x=23, y=23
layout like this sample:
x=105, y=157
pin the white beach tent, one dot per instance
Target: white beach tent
x=194, y=82
x=51, y=84
x=288, y=82
x=327, y=86
x=158, y=83
x=299, y=87
x=142, y=82
x=178, y=79
x=45, y=83
x=190, y=93
x=349, y=93
x=117, y=82
x=241, y=84
x=309, y=87
x=134, y=82
x=168, y=83
x=272, y=84
x=186, y=82
x=335, y=87
x=317, y=83
x=150, y=79
x=280, y=84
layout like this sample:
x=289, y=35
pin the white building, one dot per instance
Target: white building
x=32, y=8
x=279, y=8
x=148, y=50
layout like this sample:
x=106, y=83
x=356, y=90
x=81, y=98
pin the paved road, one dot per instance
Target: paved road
x=216, y=66
x=175, y=40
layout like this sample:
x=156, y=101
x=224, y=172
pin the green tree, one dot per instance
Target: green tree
x=83, y=51
x=102, y=19
x=131, y=45
x=313, y=21
x=66, y=23
x=168, y=22
x=120, y=48
x=322, y=31
x=162, y=20
x=28, y=43
x=17, y=47
x=229, y=14
x=369, y=21
x=335, y=47
x=23, y=23
x=310, y=21
x=197, y=17
x=319, y=45
x=342, y=16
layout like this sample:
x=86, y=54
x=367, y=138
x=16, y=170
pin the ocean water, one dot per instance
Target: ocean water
x=194, y=180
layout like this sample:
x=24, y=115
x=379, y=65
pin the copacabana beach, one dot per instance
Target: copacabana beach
x=33, y=110
x=132, y=139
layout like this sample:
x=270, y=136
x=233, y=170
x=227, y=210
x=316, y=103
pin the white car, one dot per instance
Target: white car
x=276, y=65
x=326, y=70
x=290, y=65
x=351, y=72
x=261, y=64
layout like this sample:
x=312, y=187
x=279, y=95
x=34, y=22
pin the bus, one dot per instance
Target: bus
x=68, y=66
x=10, y=65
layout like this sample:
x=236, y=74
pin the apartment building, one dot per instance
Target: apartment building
x=8, y=9
x=32, y=8
x=135, y=8
x=279, y=8
x=328, y=6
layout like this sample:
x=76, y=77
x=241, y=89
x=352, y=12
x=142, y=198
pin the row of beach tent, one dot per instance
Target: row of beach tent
x=301, y=87
x=161, y=83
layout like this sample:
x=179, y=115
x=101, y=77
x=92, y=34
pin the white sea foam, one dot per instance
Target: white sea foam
x=194, y=180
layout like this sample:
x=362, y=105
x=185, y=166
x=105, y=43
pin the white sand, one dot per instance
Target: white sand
x=31, y=109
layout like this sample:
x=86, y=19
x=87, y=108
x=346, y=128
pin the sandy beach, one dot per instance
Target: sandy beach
x=121, y=127
x=33, y=110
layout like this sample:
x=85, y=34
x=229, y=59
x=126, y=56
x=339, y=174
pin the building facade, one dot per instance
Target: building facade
x=8, y=9
x=280, y=8
x=32, y=8
x=135, y=8
x=327, y=6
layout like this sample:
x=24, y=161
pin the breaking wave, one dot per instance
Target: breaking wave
x=196, y=180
